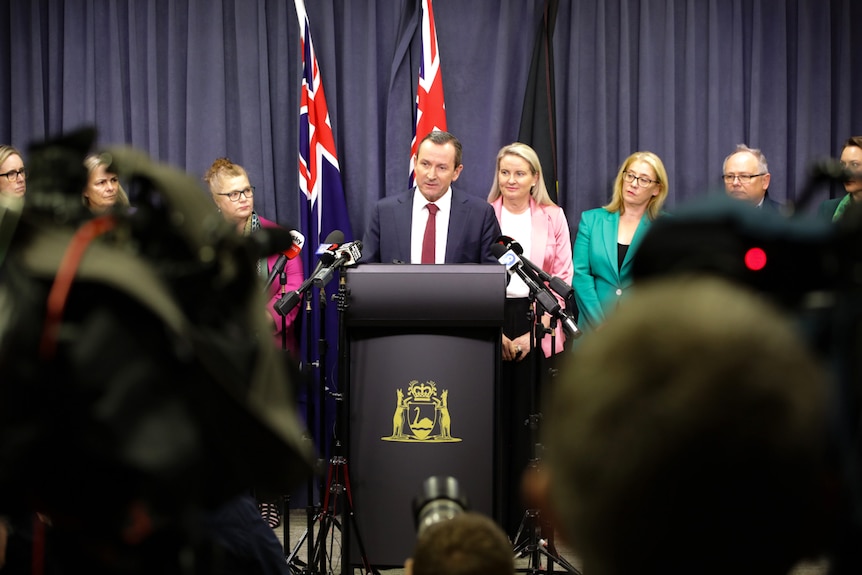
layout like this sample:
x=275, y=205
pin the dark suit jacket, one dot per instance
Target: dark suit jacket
x=770, y=204
x=473, y=228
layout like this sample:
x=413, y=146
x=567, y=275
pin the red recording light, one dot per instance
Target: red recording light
x=755, y=259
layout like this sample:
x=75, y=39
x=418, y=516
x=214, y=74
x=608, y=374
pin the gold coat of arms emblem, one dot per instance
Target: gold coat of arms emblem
x=421, y=415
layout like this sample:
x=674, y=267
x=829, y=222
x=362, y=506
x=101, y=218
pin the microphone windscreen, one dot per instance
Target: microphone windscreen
x=298, y=238
x=268, y=241
x=334, y=237
x=293, y=251
x=497, y=250
x=510, y=244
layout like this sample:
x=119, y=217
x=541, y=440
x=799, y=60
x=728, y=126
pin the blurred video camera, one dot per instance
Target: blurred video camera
x=810, y=267
x=132, y=377
x=441, y=499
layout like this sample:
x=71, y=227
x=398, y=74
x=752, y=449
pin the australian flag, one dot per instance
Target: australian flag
x=324, y=211
x=430, y=105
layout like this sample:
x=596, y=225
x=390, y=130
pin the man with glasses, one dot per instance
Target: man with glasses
x=13, y=176
x=746, y=177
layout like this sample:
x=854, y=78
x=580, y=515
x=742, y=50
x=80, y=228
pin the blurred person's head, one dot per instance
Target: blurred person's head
x=851, y=159
x=688, y=436
x=13, y=176
x=519, y=176
x=746, y=174
x=231, y=192
x=467, y=544
x=641, y=183
x=103, y=190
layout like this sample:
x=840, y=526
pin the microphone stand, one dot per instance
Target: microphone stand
x=322, y=348
x=331, y=517
x=283, y=280
x=528, y=541
x=285, y=500
x=282, y=503
x=334, y=517
x=294, y=563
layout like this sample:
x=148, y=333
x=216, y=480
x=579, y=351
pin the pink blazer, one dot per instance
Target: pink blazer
x=295, y=276
x=551, y=249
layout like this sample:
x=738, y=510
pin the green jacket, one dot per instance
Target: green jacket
x=599, y=281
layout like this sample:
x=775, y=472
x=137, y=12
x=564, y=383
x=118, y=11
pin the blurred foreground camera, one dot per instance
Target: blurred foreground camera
x=441, y=499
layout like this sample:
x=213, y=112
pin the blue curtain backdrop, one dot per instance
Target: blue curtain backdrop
x=190, y=80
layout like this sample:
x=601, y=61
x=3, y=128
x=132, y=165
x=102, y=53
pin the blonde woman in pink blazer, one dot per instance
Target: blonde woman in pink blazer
x=528, y=215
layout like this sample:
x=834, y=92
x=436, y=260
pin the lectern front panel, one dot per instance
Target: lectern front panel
x=421, y=404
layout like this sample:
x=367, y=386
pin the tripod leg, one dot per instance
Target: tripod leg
x=285, y=522
x=534, y=547
x=350, y=512
x=327, y=526
x=559, y=560
x=524, y=539
x=292, y=558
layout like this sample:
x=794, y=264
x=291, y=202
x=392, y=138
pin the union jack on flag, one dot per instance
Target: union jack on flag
x=430, y=106
x=319, y=175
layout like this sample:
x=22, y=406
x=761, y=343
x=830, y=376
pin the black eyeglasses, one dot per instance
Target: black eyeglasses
x=13, y=175
x=743, y=178
x=234, y=195
x=643, y=181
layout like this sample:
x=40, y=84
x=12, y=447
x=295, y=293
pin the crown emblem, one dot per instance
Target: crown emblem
x=421, y=416
x=422, y=391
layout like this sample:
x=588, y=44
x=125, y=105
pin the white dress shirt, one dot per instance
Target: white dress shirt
x=519, y=227
x=420, y=218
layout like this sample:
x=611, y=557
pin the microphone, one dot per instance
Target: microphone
x=545, y=298
x=326, y=251
x=344, y=255
x=561, y=287
x=288, y=254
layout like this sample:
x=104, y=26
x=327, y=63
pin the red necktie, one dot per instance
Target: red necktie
x=429, y=240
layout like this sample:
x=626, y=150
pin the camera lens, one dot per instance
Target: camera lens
x=441, y=499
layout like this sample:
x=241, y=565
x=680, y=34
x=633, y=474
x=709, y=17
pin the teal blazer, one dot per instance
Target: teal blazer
x=827, y=209
x=598, y=280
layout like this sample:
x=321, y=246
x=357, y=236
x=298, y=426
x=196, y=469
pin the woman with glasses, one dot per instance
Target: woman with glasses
x=13, y=176
x=608, y=237
x=233, y=195
x=851, y=159
x=103, y=190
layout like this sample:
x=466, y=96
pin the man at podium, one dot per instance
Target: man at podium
x=437, y=225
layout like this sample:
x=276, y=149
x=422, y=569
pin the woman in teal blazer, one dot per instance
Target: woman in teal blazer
x=851, y=159
x=608, y=237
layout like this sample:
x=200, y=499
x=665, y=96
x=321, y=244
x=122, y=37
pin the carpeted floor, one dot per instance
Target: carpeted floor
x=297, y=526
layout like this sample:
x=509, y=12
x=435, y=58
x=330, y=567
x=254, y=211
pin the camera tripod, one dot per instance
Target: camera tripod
x=331, y=518
x=529, y=541
x=331, y=521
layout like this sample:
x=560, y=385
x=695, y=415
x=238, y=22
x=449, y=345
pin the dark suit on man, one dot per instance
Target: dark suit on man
x=770, y=204
x=473, y=228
